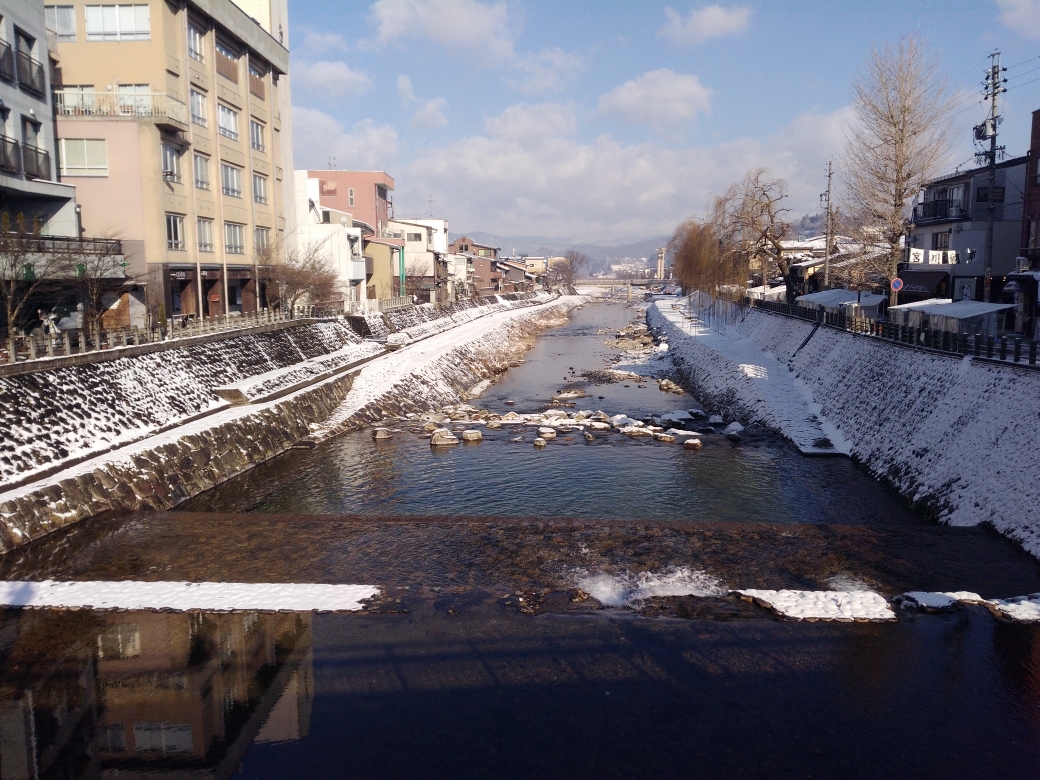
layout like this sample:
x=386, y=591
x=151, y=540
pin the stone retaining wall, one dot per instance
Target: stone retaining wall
x=957, y=437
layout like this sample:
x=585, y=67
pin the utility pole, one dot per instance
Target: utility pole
x=987, y=131
x=825, y=198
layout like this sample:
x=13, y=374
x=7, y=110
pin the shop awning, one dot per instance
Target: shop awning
x=922, y=281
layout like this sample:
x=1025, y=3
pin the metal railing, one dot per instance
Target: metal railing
x=78, y=341
x=10, y=155
x=106, y=105
x=31, y=76
x=36, y=162
x=1010, y=348
x=376, y=305
x=6, y=62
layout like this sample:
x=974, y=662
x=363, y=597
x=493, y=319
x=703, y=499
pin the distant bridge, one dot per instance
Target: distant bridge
x=624, y=282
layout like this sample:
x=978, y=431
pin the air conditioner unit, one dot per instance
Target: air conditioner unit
x=1022, y=263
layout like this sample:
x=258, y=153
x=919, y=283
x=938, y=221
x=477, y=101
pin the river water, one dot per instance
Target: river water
x=482, y=658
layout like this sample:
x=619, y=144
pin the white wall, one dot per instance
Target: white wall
x=340, y=238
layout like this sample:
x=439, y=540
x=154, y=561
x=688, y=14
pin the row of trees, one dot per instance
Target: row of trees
x=900, y=137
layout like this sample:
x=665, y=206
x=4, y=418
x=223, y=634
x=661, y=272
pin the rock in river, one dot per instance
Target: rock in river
x=472, y=435
x=539, y=442
x=443, y=437
x=692, y=444
x=547, y=434
x=382, y=433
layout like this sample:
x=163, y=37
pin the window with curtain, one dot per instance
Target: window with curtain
x=259, y=188
x=198, y=108
x=201, y=172
x=117, y=22
x=227, y=122
x=195, y=49
x=234, y=239
x=83, y=157
x=205, y=231
x=62, y=20
x=231, y=180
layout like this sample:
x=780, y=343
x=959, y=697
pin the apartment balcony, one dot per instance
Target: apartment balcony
x=10, y=156
x=166, y=111
x=6, y=62
x=36, y=162
x=256, y=86
x=939, y=211
x=31, y=76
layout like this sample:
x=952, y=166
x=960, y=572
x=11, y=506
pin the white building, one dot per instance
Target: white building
x=334, y=231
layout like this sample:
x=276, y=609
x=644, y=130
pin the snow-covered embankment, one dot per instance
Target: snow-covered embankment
x=955, y=436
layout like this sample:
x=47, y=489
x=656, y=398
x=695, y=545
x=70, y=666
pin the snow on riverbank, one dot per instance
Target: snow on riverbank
x=839, y=606
x=955, y=436
x=184, y=596
x=445, y=368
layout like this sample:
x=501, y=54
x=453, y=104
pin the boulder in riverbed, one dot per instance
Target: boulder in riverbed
x=443, y=437
x=665, y=437
x=472, y=435
x=494, y=425
x=539, y=442
x=692, y=444
x=548, y=434
x=382, y=433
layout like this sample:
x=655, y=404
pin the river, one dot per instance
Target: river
x=483, y=657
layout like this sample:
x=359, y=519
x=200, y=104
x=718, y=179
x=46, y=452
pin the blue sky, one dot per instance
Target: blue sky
x=606, y=119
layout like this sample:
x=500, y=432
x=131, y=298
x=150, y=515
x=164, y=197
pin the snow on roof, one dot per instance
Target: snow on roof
x=809, y=263
x=828, y=297
x=866, y=299
x=960, y=310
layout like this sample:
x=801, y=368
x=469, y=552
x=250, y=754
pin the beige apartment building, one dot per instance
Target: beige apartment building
x=171, y=127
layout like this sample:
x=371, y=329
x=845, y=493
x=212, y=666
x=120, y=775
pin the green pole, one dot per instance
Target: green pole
x=400, y=254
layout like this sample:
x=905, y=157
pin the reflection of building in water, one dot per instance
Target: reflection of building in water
x=123, y=694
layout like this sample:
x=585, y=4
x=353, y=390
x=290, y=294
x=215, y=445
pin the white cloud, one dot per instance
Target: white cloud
x=430, y=115
x=698, y=25
x=550, y=70
x=525, y=123
x=318, y=42
x=329, y=79
x=1021, y=16
x=483, y=27
x=659, y=98
x=514, y=178
x=318, y=136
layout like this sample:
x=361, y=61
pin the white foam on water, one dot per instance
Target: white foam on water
x=619, y=590
x=183, y=596
x=848, y=583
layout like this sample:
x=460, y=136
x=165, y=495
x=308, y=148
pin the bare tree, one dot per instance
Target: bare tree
x=415, y=275
x=576, y=263
x=97, y=268
x=28, y=263
x=306, y=276
x=900, y=137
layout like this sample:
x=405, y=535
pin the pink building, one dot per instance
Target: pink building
x=365, y=195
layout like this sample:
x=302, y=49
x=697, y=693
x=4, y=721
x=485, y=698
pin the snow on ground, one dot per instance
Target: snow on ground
x=183, y=596
x=942, y=599
x=840, y=606
x=1023, y=609
x=729, y=365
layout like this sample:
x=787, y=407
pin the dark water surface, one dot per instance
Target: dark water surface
x=447, y=676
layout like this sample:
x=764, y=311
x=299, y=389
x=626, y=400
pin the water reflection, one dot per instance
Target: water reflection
x=124, y=694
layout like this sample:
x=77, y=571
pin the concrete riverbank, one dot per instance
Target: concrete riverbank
x=124, y=437
x=956, y=437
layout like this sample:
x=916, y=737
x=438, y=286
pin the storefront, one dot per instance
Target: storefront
x=188, y=289
x=923, y=285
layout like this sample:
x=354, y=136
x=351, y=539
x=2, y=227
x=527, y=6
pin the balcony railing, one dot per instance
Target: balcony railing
x=939, y=209
x=227, y=67
x=106, y=105
x=30, y=74
x=6, y=62
x=256, y=86
x=36, y=162
x=10, y=155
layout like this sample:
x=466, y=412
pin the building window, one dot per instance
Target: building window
x=171, y=163
x=234, y=239
x=256, y=135
x=198, y=108
x=262, y=238
x=227, y=62
x=350, y=195
x=940, y=241
x=83, y=157
x=205, y=231
x=62, y=20
x=195, y=50
x=227, y=122
x=256, y=81
x=231, y=180
x=117, y=23
x=259, y=188
x=201, y=172
x=413, y=237
x=175, y=232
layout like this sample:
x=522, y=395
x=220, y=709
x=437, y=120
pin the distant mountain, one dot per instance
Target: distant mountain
x=626, y=248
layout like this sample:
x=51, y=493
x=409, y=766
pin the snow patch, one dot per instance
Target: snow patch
x=183, y=596
x=840, y=606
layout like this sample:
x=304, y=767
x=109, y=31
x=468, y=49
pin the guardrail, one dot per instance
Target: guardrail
x=1003, y=348
x=78, y=341
x=376, y=305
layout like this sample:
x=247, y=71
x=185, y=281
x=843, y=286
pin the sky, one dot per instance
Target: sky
x=599, y=120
